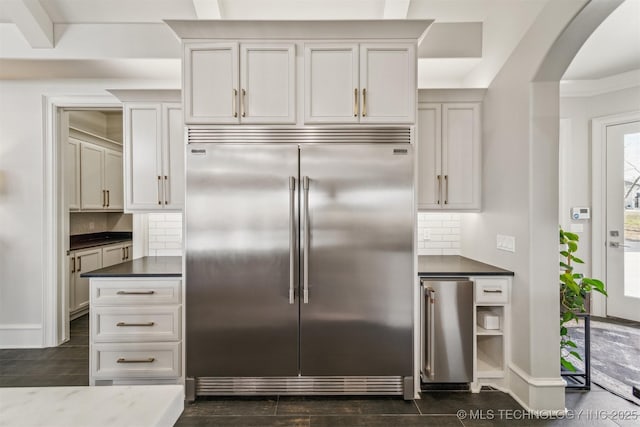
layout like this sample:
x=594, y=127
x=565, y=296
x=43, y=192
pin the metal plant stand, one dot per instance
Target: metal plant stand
x=581, y=380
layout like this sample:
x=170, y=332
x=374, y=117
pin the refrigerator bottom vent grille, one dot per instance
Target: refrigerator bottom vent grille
x=223, y=386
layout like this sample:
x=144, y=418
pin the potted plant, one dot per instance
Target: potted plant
x=574, y=290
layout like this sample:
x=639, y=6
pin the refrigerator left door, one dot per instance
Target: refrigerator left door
x=241, y=260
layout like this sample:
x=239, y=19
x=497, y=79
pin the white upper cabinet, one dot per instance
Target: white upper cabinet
x=387, y=83
x=154, y=156
x=93, y=195
x=331, y=83
x=366, y=83
x=255, y=87
x=72, y=174
x=449, y=166
x=211, y=83
x=113, y=184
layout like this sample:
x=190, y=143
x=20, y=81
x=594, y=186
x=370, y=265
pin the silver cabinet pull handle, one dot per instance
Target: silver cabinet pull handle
x=159, y=189
x=234, y=107
x=135, y=324
x=135, y=292
x=108, y=198
x=292, y=239
x=492, y=291
x=104, y=199
x=305, y=291
x=166, y=191
x=364, y=102
x=242, y=107
x=446, y=193
x=148, y=360
x=356, y=109
x=432, y=330
x=79, y=264
x=439, y=188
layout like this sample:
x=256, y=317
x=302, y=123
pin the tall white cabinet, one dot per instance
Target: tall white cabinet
x=153, y=150
x=360, y=83
x=449, y=156
x=100, y=178
x=251, y=83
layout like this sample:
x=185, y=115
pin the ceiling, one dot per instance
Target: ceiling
x=127, y=38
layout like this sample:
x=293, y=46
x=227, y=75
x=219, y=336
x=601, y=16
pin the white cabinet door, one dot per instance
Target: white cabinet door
x=128, y=251
x=268, y=79
x=87, y=260
x=331, y=83
x=113, y=175
x=429, y=155
x=143, y=156
x=387, y=83
x=112, y=255
x=72, y=174
x=92, y=188
x=461, y=156
x=211, y=83
x=173, y=147
x=71, y=282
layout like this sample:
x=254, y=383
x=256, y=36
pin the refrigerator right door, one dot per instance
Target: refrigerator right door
x=356, y=259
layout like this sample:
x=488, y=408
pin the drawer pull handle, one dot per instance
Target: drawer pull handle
x=136, y=292
x=492, y=291
x=135, y=324
x=149, y=360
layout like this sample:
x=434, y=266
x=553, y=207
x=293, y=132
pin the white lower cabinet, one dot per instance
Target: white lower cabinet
x=81, y=261
x=491, y=331
x=116, y=254
x=135, y=331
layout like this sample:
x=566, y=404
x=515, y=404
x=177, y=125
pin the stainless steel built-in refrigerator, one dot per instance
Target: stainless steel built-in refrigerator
x=299, y=261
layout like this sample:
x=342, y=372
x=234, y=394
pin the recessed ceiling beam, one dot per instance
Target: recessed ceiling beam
x=33, y=22
x=396, y=9
x=207, y=9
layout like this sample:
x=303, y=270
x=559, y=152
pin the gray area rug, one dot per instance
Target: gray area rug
x=615, y=356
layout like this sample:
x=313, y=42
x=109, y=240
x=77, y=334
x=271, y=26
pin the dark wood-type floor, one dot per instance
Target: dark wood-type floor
x=68, y=365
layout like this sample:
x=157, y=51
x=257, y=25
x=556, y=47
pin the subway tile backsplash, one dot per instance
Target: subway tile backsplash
x=165, y=234
x=438, y=233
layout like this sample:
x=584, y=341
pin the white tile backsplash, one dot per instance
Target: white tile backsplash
x=442, y=231
x=165, y=234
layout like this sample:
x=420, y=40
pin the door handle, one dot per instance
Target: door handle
x=355, y=103
x=305, y=276
x=127, y=252
x=108, y=198
x=292, y=239
x=618, y=245
x=439, y=188
x=73, y=269
x=166, y=191
x=364, y=102
x=104, y=199
x=431, y=303
x=79, y=264
x=123, y=255
x=242, y=108
x=446, y=186
x=159, y=189
x=234, y=107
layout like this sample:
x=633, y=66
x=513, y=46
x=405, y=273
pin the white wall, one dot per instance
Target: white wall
x=579, y=111
x=21, y=199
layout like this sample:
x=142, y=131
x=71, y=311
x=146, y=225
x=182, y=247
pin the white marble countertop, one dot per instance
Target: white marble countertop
x=122, y=406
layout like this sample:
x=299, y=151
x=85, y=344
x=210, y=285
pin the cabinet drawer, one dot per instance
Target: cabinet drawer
x=135, y=324
x=492, y=291
x=151, y=360
x=135, y=291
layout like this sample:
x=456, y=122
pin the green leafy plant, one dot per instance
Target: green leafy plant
x=574, y=289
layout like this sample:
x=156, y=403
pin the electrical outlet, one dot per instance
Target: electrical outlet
x=506, y=243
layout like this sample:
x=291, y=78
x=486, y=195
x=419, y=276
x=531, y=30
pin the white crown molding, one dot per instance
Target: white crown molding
x=586, y=88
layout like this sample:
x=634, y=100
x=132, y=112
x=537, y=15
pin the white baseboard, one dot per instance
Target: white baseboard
x=535, y=394
x=21, y=335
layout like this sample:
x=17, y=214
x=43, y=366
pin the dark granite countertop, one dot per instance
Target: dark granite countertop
x=84, y=241
x=450, y=265
x=149, y=266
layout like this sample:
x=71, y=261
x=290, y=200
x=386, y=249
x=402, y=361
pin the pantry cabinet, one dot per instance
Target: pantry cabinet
x=234, y=83
x=81, y=261
x=100, y=178
x=154, y=156
x=449, y=165
x=360, y=83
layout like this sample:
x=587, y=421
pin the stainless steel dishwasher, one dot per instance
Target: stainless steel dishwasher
x=447, y=330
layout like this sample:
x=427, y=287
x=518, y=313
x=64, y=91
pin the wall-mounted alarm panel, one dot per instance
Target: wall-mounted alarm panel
x=580, y=213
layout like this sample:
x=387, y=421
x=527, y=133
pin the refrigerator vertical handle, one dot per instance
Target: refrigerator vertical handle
x=292, y=239
x=431, y=304
x=305, y=216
